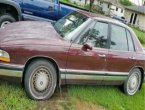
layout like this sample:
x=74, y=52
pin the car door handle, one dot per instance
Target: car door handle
x=102, y=55
x=131, y=58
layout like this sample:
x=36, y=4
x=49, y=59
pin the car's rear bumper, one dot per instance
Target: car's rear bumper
x=11, y=70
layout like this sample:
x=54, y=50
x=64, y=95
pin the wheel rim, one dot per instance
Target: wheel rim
x=41, y=82
x=133, y=83
x=5, y=23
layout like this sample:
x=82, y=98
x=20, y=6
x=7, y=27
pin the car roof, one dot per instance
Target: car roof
x=102, y=18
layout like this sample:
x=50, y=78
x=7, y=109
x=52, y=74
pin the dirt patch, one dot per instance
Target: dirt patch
x=83, y=105
x=61, y=101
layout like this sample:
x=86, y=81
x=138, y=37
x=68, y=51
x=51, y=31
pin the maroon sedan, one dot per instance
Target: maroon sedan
x=81, y=48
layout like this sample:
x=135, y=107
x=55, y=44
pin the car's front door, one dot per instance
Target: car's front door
x=121, y=56
x=87, y=57
x=40, y=9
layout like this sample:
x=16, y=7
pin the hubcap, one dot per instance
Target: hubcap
x=5, y=23
x=41, y=80
x=133, y=83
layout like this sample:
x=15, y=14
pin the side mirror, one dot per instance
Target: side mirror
x=86, y=47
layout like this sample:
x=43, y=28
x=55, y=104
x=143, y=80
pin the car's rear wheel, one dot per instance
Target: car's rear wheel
x=133, y=82
x=40, y=80
x=6, y=19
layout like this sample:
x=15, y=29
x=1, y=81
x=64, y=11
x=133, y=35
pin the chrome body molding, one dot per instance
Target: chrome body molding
x=93, y=72
x=93, y=75
x=11, y=70
x=11, y=66
x=11, y=73
x=96, y=77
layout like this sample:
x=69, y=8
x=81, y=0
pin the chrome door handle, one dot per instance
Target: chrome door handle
x=131, y=58
x=102, y=55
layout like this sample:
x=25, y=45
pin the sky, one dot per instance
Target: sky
x=137, y=2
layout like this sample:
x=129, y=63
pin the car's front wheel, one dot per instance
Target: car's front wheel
x=40, y=80
x=133, y=82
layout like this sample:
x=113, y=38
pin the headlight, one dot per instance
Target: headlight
x=4, y=56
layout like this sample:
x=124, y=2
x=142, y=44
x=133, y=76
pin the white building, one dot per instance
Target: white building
x=135, y=15
x=82, y=2
x=111, y=7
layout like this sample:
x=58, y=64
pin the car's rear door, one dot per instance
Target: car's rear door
x=88, y=66
x=121, y=56
x=40, y=9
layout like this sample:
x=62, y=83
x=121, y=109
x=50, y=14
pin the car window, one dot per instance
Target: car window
x=69, y=24
x=118, y=38
x=130, y=42
x=96, y=36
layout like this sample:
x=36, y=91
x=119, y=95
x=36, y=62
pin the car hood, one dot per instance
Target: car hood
x=29, y=32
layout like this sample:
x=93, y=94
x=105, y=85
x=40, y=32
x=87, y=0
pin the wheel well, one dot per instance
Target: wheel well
x=43, y=58
x=142, y=76
x=8, y=9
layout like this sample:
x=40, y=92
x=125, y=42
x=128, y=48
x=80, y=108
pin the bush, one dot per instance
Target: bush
x=126, y=2
x=140, y=34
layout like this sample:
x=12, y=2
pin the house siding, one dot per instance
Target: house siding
x=111, y=10
x=140, y=20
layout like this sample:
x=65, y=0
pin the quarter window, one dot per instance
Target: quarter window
x=130, y=42
x=118, y=38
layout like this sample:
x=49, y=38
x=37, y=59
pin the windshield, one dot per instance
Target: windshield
x=69, y=23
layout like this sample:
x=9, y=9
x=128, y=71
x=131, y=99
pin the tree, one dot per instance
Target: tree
x=91, y=4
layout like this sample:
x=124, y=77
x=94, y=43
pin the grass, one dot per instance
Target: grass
x=13, y=97
x=109, y=96
x=140, y=35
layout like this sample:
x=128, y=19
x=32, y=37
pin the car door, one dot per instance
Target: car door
x=87, y=56
x=40, y=9
x=121, y=56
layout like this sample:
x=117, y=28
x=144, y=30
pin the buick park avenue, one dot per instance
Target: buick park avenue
x=80, y=48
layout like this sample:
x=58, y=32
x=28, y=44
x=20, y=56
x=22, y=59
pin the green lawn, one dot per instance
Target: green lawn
x=13, y=97
x=140, y=35
x=109, y=96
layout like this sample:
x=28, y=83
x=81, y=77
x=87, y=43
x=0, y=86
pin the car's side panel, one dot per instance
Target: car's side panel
x=82, y=65
x=121, y=61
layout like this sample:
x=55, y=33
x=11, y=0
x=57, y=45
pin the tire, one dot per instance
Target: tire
x=132, y=84
x=40, y=80
x=6, y=19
